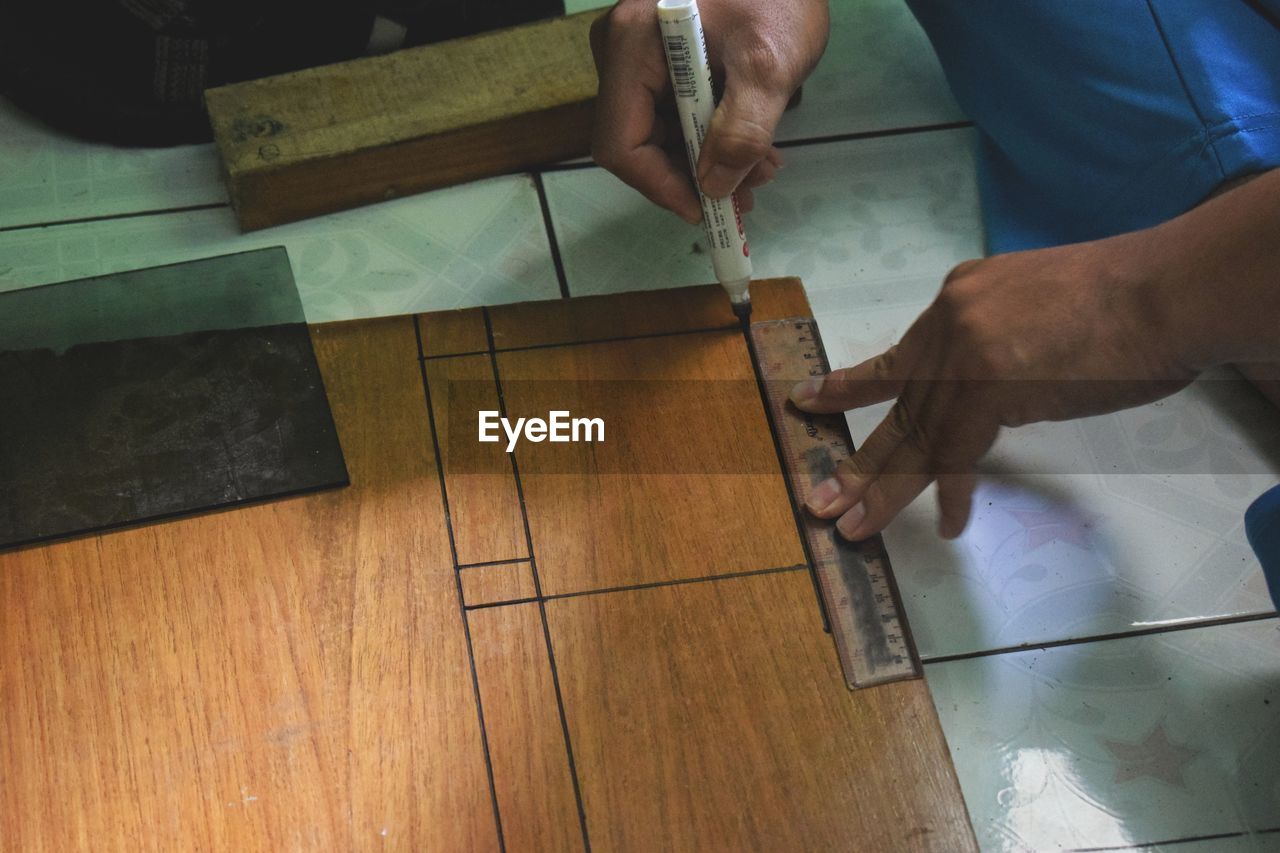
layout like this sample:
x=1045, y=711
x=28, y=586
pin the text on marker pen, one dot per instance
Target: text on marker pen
x=686, y=48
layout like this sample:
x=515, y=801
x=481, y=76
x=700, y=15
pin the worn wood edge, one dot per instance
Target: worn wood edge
x=300, y=189
x=640, y=313
x=226, y=103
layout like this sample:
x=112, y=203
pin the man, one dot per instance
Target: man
x=1104, y=125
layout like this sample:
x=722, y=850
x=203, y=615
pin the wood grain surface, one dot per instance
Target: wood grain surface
x=686, y=483
x=318, y=673
x=292, y=675
x=501, y=582
x=530, y=761
x=351, y=133
x=483, y=503
x=713, y=716
x=645, y=312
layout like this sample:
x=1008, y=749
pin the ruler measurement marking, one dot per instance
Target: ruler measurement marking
x=855, y=579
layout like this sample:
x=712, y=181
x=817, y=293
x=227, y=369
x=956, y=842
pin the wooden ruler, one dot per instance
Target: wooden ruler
x=861, y=598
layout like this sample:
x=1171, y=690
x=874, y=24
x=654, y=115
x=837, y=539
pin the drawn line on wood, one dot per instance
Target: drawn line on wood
x=704, y=329
x=556, y=260
x=510, y=562
x=1099, y=638
x=537, y=587
x=782, y=472
x=652, y=585
x=457, y=578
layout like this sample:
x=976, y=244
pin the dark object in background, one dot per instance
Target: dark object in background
x=132, y=72
x=147, y=394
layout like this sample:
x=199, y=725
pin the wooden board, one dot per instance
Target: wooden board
x=714, y=716
x=686, y=483
x=319, y=673
x=292, y=675
x=352, y=133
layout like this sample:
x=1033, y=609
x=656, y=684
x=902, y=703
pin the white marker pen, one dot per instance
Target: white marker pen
x=686, y=47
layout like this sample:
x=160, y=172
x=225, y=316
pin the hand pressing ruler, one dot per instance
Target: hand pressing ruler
x=861, y=598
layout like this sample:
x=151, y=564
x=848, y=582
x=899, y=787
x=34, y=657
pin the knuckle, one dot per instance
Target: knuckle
x=744, y=142
x=960, y=270
x=763, y=62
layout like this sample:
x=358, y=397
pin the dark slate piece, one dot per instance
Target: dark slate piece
x=147, y=394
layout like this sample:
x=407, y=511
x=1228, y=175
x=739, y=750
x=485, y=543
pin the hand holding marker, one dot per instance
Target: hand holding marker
x=686, y=49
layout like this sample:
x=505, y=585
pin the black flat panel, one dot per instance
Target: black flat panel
x=147, y=394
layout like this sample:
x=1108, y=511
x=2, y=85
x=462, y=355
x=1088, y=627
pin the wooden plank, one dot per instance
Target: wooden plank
x=714, y=716
x=357, y=132
x=493, y=584
x=686, y=483
x=288, y=675
x=483, y=503
x=644, y=312
x=453, y=332
x=526, y=741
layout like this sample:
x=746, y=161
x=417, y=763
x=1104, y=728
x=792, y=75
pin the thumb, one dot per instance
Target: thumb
x=741, y=131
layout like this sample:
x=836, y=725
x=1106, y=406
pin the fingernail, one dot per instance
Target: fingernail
x=851, y=520
x=719, y=181
x=823, y=495
x=803, y=392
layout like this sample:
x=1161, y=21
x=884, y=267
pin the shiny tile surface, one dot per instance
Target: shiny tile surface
x=1122, y=742
x=475, y=244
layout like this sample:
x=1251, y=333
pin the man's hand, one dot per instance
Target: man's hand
x=1033, y=336
x=765, y=49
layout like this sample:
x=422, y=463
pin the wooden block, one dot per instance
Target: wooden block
x=686, y=483
x=526, y=741
x=453, y=332
x=291, y=675
x=483, y=502
x=642, y=312
x=713, y=716
x=352, y=133
x=493, y=584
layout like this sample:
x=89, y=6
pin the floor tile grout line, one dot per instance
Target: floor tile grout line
x=538, y=184
x=537, y=587
x=1099, y=638
x=1186, y=839
x=457, y=578
x=850, y=136
x=762, y=394
x=886, y=133
x=556, y=259
x=513, y=561
x=557, y=596
x=106, y=217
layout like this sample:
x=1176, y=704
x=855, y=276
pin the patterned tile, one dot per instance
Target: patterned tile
x=1122, y=742
x=887, y=213
x=46, y=176
x=476, y=244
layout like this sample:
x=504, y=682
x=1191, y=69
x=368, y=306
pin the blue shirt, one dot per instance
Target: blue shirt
x=1101, y=116
x=1097, y=117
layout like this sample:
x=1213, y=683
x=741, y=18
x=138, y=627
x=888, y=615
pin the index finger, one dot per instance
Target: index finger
x=623, y=139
